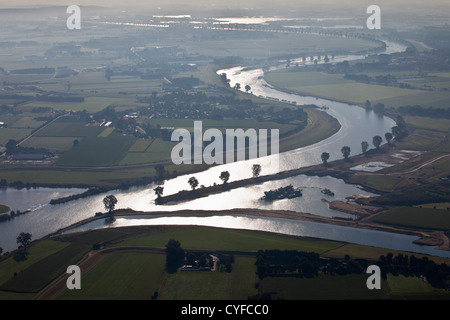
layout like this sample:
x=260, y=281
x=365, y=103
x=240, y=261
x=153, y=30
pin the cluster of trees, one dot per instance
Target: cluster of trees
x=275, y=263
x=194, y=183
x=378, y=107
x=13, y=147
x=438, y=275
x=174, y=256
x=224, y=176
x=287, y=192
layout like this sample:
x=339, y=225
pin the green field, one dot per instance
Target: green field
x=416, y=217
x=97, y=151
x=282, y=44
x=51, y=143
x=230, y=239
x=140, y=145
x=124, y=276
x=62, y=128
x=129, y=276
x=148, y=151
x=335, y=87
x=7, y=134
x=137, y=275
x=90, y=104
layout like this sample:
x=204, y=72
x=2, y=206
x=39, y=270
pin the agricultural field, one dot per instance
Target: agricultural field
x=336, y=87
x=148, y=151
x=90, y=104
x=126, y=274
x=284, y=44
x=416, y=217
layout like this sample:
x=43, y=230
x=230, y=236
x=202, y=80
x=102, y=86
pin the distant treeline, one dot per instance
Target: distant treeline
x=425, y=112
x=58, y=98
x=45, y=70
x=48, y=98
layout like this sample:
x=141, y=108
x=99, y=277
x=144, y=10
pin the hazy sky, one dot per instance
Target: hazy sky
x=228, y=3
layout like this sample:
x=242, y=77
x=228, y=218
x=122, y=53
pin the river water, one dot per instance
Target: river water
x=356, y=125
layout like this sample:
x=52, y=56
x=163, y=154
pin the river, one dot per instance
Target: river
x=356, y=125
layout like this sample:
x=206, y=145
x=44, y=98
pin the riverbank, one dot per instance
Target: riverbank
x=429, y=238
x=340, y=169
x=4, y=209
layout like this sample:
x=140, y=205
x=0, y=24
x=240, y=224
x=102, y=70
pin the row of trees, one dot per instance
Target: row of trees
x=376, y=141
x=193, y=181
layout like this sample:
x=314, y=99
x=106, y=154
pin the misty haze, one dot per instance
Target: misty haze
x=224, y=150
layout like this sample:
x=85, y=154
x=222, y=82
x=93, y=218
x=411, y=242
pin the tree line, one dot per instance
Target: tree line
x=397, y=132
x=286, y=263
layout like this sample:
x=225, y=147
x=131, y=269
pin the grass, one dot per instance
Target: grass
x=238, y=284
x=335, y=87
x=385, y=183
x=7, y=134
x=356, y=251
x=47, y=259
x=230, y=239
x=103, y=151
x=416, y=217
x=323, y=287
x=122, y=276
x=146, y=157
x=106, y=132
x=90, y=104
x=417, y=288
x=148, y=151
x=62, y=128
x=278, y=44
x=140, y=145
x=89, y=176
x=37, y=252
x=429, y=123
x=353, y=287
x=27, y=123
x=137, y=275
x=51, y=143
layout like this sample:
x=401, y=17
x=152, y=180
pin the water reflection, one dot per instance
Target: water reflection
x=290, y=227
x=356, y=125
